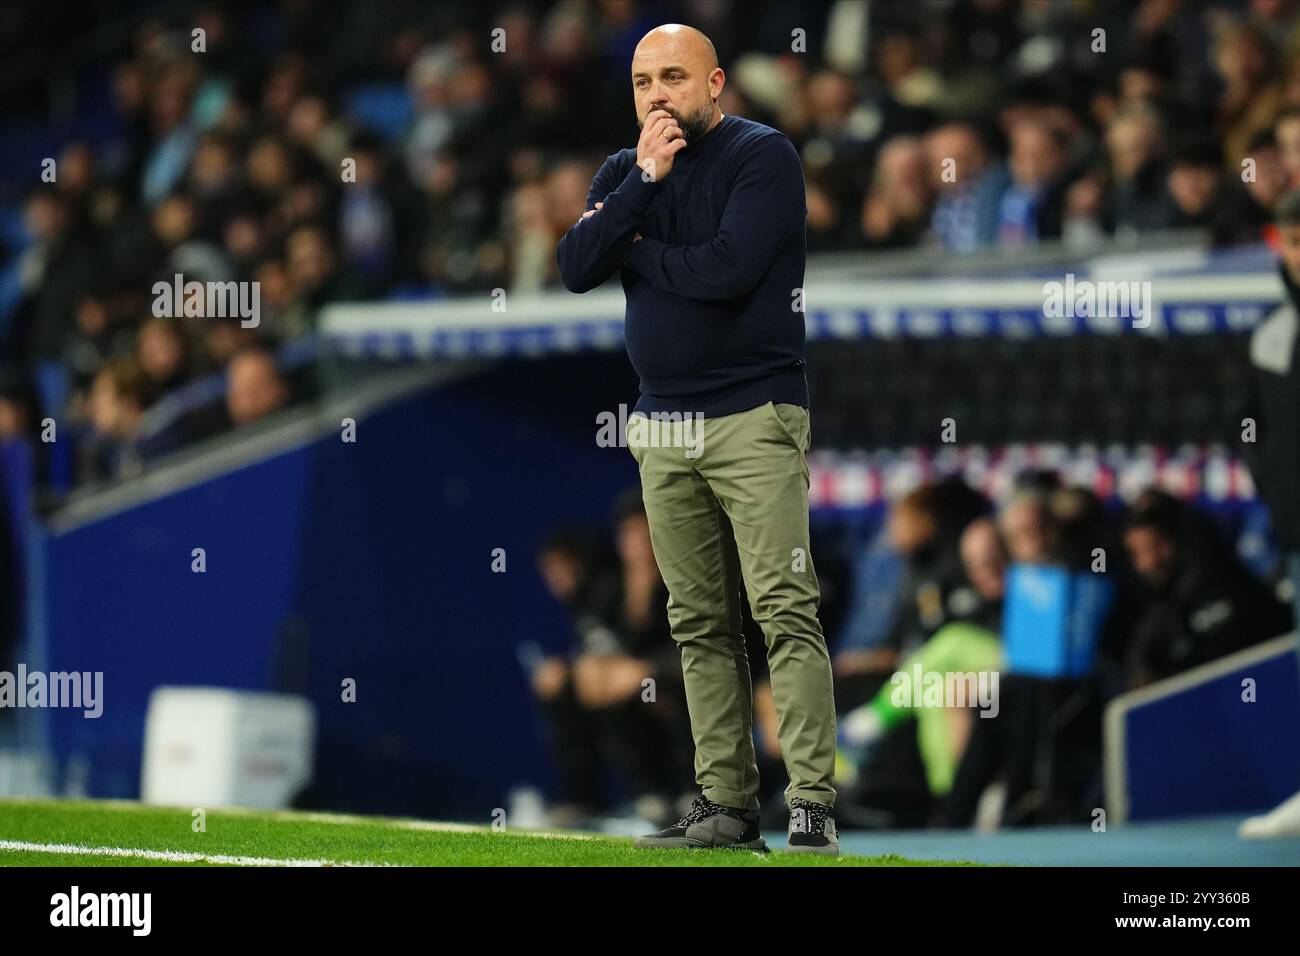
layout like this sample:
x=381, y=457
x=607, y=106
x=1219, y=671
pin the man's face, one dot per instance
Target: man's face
x=1131, y=142
x=1287, y=132
x=1152, y=555
x=1193, y=187
x=1027, y=528
x=254, y=388
x=634, y=545
x=984, y=559
x=1035, y=156
x=561, y=574
x=954, y=148
x=673, y=74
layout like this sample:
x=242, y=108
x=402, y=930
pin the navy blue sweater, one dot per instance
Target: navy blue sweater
x=714, y=320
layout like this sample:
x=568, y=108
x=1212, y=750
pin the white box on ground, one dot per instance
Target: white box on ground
x=214, y=747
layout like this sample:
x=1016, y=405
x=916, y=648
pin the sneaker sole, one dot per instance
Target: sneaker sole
x=683, y=843
x=832, y=849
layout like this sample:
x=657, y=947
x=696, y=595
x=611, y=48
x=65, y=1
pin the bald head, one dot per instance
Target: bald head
x=675, y=68
x=683, y=41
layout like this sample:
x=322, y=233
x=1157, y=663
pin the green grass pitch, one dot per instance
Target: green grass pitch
x=118, y=833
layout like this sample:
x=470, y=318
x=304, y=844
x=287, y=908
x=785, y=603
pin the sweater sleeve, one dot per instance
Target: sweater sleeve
x=594, y=247
x=766, y=204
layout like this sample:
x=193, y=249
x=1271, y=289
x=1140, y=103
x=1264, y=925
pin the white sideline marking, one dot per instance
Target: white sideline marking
x=169, y=856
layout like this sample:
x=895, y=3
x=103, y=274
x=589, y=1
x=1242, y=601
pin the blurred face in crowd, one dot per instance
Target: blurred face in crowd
x=1270, y=176
x=1287, y=132
x=1029, y=531
x=242, y=237
x=634, y=547
x=284, y=85
x=1036, y=155
x=113, y=409
x=310, y=259
x=1193, y=187
x=562, y=574
x=13, y=418
x=675, y=69
x=169, y=106
x=566, y=193
x=44, y=217
x=1242, y=56
x=897, y=56
x=213, y=166
x=254, y=387
x=962, y=146
x=224, y=338
x=92, y=316
x=984, y=558
x=1152, y=555
x=268, y=165
x=76, y=169
x=103, y=404
x=162, y=350
x=530, y=207
x=173, y=221
x=831, y=98
x=900, y=175
x=910, y=528
x=307, y=120
x=1131, y=141
x=1140, y=85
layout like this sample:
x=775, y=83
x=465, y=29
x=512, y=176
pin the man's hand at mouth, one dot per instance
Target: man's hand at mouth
x=661, y=140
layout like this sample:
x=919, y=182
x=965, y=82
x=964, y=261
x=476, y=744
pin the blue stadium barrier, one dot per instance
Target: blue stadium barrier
x=329, y=560
x=1192, y=746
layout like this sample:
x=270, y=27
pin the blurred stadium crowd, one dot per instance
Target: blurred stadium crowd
x=928, y=591
x=1065, y=120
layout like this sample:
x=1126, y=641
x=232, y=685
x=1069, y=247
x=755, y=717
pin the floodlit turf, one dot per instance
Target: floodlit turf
x=46, y=833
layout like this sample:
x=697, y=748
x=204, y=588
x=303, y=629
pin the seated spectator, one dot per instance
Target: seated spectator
x=254, y=386
x=875, y=604
x=114, y=448
x=896, y=211
x=620, y=692
x=163, y=354
x=1137, y=201
x=1030, y=528
x=1202, y=197
x=925, y=527
x=1286, y=130
x=1043, y=746
x=962, y=647
x=1031, y=208
x=15, y=408
x=569, y=565
x=970, y=186
x=635, y=682
x=1269, y=182
x=1200, y=603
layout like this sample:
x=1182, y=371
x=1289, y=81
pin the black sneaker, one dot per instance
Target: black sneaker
x=709, y=826
x=812, y=829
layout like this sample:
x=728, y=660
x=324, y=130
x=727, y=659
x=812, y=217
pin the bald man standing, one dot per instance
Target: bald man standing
x=704, y=222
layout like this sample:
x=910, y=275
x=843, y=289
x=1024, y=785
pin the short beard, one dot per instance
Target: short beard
x=696, y=125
